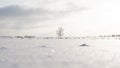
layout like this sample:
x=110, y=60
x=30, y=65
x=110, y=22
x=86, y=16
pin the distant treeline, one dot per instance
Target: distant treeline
x=32, y=37
x=110, y=35
x=21, y=37
x=85, y=37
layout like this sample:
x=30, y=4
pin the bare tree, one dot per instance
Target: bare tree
x=60, y=32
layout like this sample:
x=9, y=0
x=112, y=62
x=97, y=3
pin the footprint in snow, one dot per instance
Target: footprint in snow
x=43, y=46
x=3, y=48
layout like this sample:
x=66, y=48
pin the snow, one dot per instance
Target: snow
x=59, y=53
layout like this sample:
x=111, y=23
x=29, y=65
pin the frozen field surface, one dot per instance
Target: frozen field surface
x=54, y=53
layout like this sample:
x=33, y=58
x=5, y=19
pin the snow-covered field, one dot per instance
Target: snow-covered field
x=59, y=53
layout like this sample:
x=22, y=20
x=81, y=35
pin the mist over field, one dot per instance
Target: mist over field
x=59, y=34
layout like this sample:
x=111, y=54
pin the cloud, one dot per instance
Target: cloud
x=11, y=11
x=18, y=11
x=23, y=18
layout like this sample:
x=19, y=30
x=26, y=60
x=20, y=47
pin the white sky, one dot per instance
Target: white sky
x=108, y=14
x=97, y=17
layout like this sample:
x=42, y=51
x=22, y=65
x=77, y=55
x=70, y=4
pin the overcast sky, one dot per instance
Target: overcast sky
x=43, y=17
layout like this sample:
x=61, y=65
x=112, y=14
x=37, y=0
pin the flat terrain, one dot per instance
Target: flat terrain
x=59, y=53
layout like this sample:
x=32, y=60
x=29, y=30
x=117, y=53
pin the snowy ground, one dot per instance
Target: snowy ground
x=58, y=53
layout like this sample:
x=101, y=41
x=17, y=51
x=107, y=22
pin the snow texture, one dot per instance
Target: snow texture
x=59, y=53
